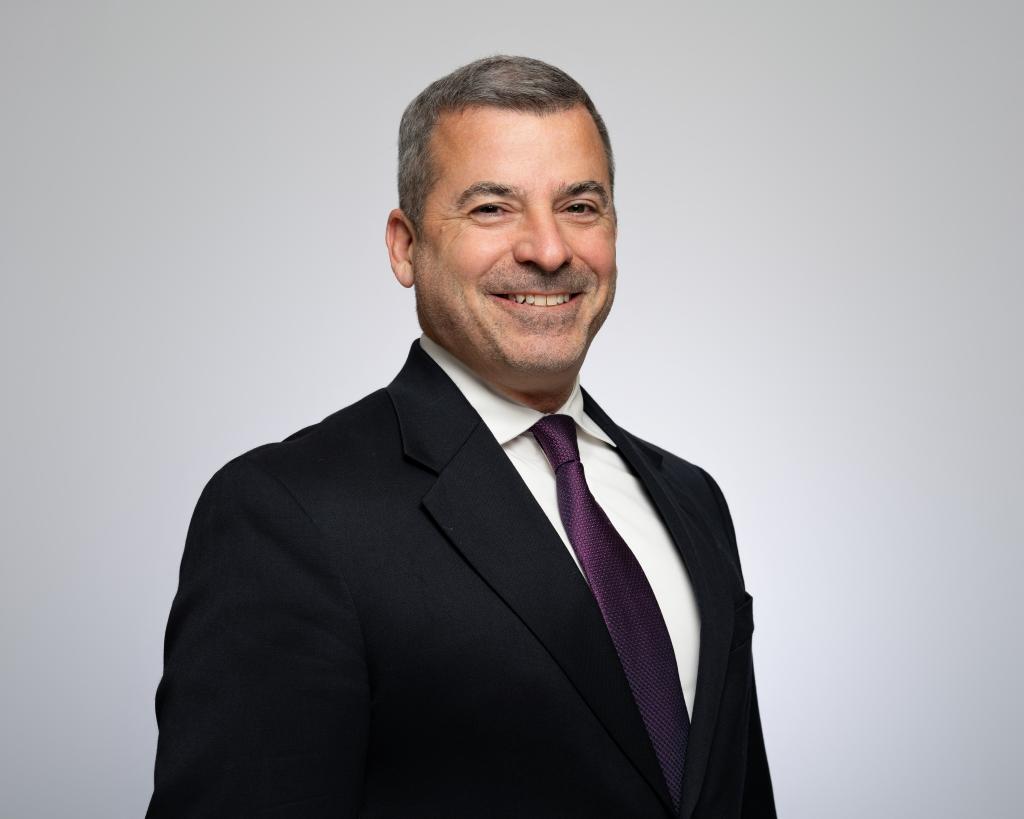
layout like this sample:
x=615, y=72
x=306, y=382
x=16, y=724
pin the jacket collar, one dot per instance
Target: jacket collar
x=434, y=417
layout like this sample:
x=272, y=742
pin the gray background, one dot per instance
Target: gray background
x=820, y=297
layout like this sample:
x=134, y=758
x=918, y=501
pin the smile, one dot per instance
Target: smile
x=538, y=299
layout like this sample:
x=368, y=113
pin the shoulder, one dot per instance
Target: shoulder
x=340, y=454
x=694, y=480
x=699, y=490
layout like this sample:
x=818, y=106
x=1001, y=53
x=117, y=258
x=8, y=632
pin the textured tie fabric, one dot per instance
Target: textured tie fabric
x=626, y=601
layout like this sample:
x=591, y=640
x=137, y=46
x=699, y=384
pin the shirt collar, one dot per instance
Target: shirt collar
x=505, y=418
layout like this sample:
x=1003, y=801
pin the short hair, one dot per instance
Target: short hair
x=512, y=83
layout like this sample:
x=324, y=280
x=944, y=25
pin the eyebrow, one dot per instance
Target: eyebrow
x=565, y=190
x=486, y=189
x=580, y=188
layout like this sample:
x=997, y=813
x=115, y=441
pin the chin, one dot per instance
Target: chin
x=540, y=357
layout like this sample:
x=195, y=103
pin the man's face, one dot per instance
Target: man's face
x=514, y=265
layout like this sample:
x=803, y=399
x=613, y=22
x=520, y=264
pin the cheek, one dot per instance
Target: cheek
x=599, y=256
x=472, y=261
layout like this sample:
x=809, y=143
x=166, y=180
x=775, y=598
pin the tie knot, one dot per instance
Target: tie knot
x=556, y=435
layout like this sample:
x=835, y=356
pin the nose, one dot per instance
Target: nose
x=540, y=241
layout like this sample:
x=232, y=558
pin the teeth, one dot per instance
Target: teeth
x=539, y=300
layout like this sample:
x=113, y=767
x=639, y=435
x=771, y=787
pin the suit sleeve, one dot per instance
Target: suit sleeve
x=263, y=708
x=758, y=797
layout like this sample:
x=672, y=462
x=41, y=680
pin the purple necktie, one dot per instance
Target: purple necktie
x=625, y=598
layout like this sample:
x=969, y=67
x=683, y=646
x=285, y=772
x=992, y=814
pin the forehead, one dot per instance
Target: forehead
x=531, y=151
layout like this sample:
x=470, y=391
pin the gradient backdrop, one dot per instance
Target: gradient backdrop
x=820, y=301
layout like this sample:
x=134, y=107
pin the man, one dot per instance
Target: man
x=423, y=606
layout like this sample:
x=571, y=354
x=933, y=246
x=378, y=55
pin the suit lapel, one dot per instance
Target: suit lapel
x=483, y=507
x=694, y=542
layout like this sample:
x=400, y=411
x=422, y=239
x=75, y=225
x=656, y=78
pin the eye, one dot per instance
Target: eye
x=488, y=209
x=581, y=209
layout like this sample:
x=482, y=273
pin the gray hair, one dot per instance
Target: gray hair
x=513, y=83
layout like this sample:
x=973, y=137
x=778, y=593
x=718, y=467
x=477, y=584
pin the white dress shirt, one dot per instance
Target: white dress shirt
x=613, y=485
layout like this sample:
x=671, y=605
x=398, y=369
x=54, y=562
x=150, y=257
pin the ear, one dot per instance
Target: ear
x=400, y=237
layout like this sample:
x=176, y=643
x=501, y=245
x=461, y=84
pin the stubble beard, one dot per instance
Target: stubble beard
x=481, y=340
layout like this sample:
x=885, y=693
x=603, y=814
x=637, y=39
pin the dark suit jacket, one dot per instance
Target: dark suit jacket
x=376, y=619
